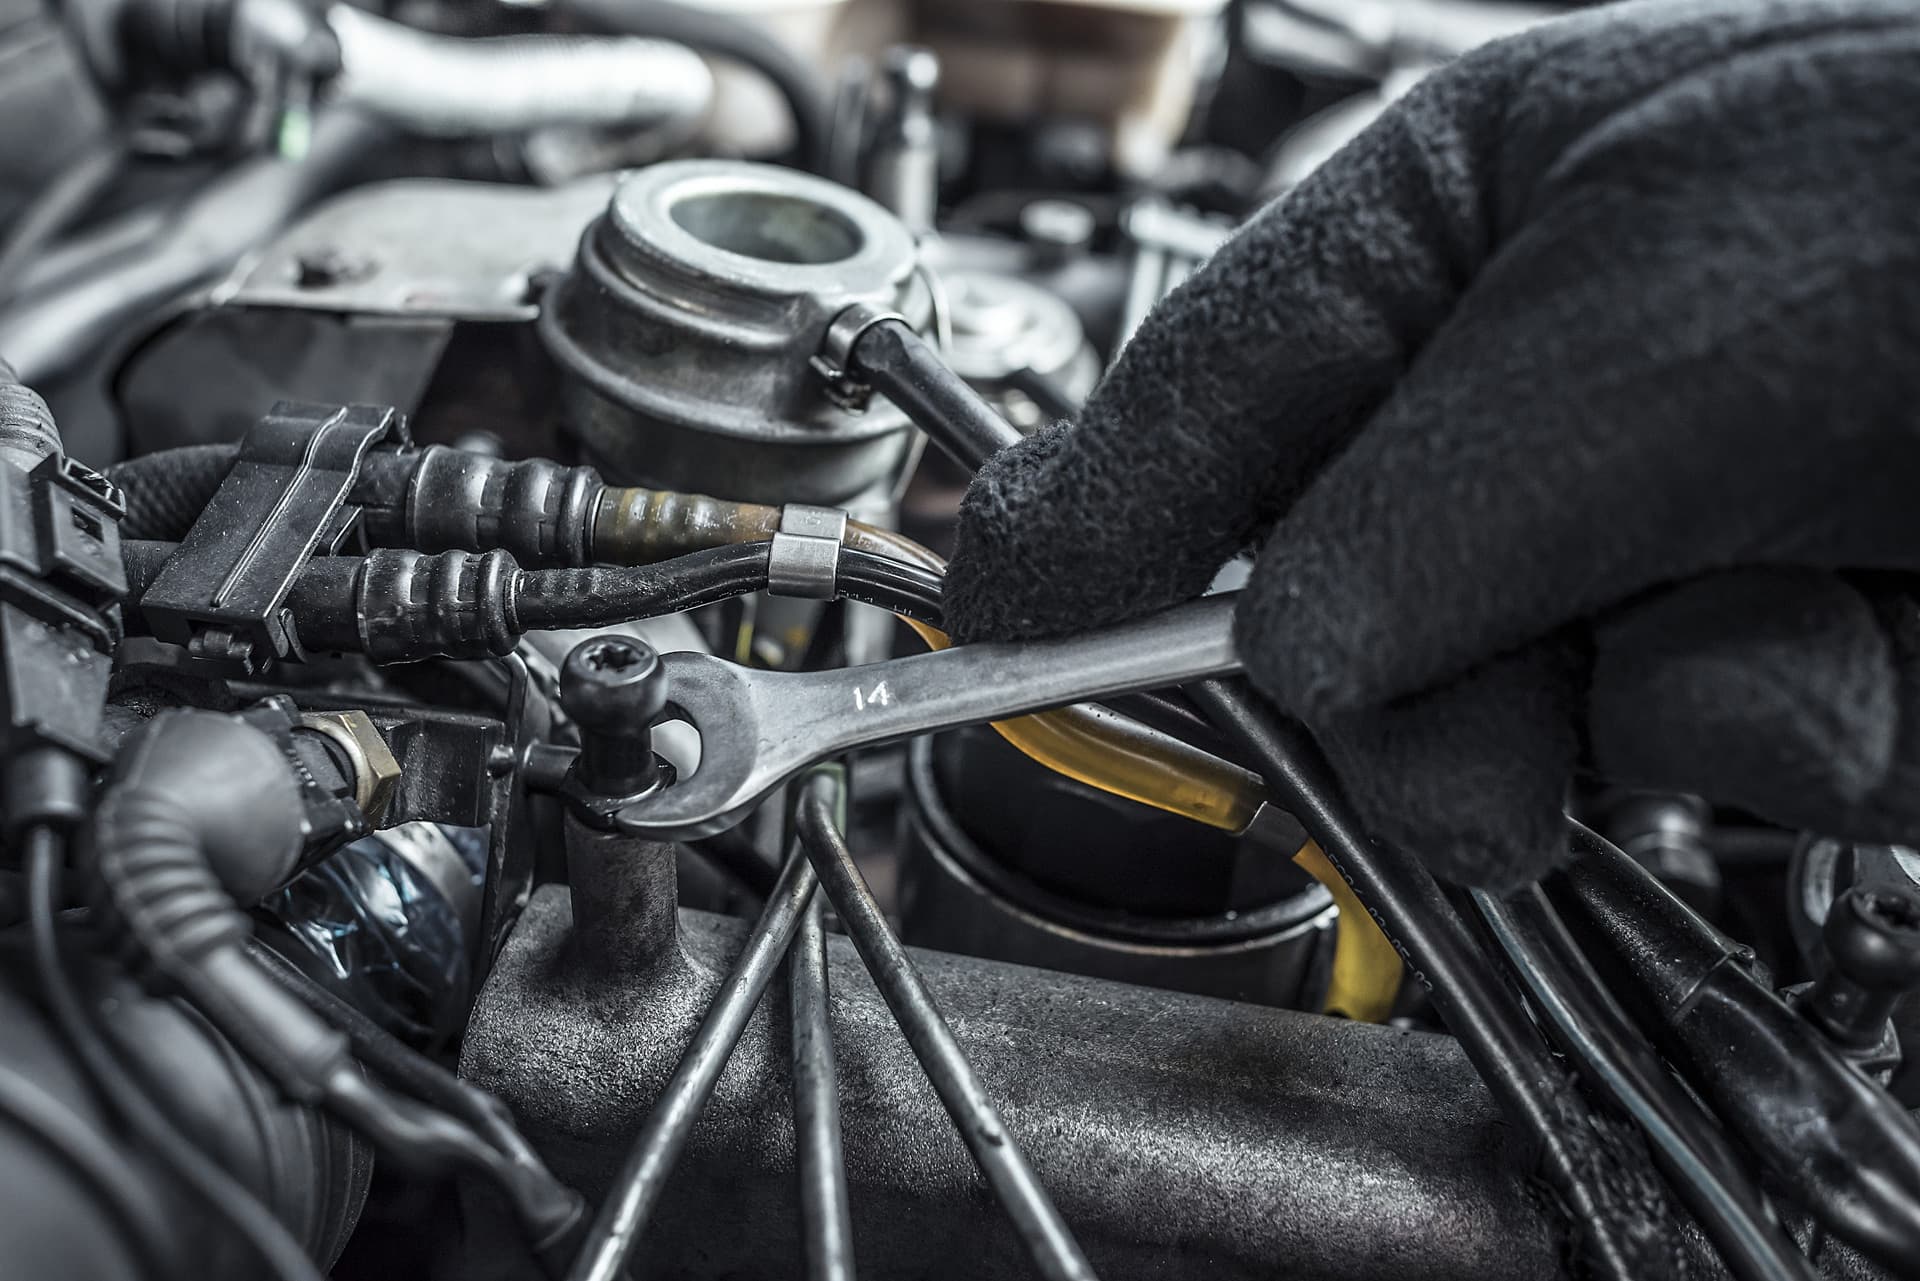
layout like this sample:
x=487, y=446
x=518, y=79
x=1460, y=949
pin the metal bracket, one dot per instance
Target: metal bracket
x=223, y=593
x=805, y=558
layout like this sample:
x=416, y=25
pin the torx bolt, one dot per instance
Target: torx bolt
x=612, y=687
x=1872, y=937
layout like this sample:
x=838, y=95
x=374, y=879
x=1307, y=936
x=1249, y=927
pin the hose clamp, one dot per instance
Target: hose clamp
x=805, y=558
x=834, y=363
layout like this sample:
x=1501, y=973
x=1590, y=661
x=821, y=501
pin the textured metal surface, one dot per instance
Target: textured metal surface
x=1179, y=1135
x=758, y=728
x=422, y=247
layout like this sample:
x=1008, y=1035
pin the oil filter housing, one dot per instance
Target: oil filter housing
x=688, y=323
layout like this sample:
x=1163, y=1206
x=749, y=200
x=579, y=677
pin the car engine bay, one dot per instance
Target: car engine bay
x=488, y=793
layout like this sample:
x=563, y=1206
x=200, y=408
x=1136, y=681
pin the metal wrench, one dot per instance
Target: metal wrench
x=759, y=728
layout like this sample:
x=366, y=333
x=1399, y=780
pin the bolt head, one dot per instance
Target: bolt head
x=614, y=683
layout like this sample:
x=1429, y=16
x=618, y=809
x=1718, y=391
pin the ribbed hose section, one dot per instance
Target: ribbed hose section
x=451, y=87
x=166, y=492
x=27, y=430
x=203, y=814
x=163, y=905
x=202, y=809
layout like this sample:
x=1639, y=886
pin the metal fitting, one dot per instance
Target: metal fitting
x=805, y=558
x=613, y=687
x=376, y=771
x=834, y=363
x=1872, y=937
x=687, y=327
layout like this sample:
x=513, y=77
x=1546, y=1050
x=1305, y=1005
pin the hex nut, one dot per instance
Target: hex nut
x=376, y=771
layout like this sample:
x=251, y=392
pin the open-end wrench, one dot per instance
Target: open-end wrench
x=759, y=728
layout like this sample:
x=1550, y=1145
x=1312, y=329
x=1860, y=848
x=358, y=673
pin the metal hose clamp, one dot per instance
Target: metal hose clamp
x=834, y=363
x=805, y=559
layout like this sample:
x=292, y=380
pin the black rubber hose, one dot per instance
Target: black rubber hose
x=165, y=492
x=279, y=1254
x=902, y=366
x=1578, y=1156
x=204, y=809
x=1831, y=1137
x=426, y=1141
x=891, y=585
x=1700, y=1163
x=1048, y=394
x=724, y=36
x=605, y=595
x=401, y=1066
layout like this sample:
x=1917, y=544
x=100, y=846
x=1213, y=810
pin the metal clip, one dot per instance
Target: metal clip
x=805, y=558
x=834, y=363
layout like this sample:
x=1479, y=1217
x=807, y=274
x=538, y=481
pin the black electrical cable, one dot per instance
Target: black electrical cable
x=636, y=1189
x=400, y=1065
x=279, y=1254
x=1046, y=1235
x=826, y=1217
x=428, y=1141
x=1700, y=1163
x=55, y=207
x=47, y=1120
x=605, y=595
x=892, y=585
x=724, y=36
x=1478, y=1007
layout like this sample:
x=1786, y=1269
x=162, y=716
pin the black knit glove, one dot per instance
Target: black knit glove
x=1565, y=407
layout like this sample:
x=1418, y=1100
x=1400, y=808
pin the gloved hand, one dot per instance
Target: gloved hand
x=1565, y=406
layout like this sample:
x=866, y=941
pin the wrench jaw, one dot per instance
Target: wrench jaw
x=717, y=699
x=759, y=728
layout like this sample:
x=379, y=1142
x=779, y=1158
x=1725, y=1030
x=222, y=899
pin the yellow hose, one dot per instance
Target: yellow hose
x=1128, y=759
x=1087, y=743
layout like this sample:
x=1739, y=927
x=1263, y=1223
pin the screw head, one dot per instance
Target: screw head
x=613, y=683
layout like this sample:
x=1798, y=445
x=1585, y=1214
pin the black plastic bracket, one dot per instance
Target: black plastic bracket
x=223, y=593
